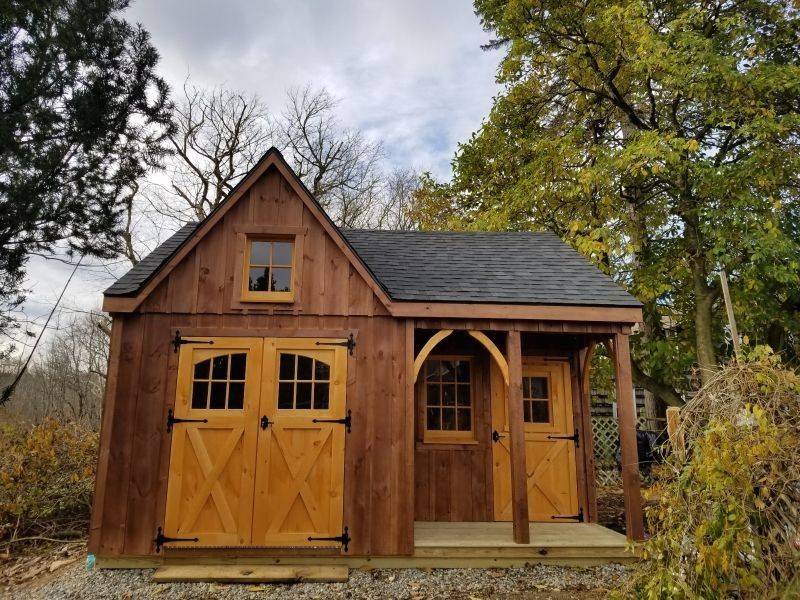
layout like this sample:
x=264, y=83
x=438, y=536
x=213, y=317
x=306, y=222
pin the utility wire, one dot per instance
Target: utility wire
x=5, y=396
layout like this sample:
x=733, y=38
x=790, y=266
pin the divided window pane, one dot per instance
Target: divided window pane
x=536, y=399
x=218, y=382
x=303, y=382
x=448, y=395
x=270, y=266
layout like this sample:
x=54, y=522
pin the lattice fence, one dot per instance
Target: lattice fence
x=606, y=443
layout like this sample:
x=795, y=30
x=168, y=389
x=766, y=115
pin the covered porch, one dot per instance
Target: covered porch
x=531, y=525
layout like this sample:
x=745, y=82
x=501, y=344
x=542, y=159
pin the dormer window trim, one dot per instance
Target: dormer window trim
x=245, y=298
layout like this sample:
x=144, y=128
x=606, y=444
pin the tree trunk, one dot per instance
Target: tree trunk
x=703, y=327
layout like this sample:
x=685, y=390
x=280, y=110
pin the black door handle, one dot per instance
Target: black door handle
x=265, y=422
x=496, y=436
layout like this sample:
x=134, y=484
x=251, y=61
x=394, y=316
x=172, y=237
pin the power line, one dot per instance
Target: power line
x=9, y=390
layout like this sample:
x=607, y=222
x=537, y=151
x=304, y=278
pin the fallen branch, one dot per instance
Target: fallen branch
x=40, y=538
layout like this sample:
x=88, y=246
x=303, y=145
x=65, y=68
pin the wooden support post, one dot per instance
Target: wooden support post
x=586, y=453
x=408, y=479
x=626, y=415
x=516, y=426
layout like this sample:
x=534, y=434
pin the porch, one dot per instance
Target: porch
x=436, y=545
x=474, y=544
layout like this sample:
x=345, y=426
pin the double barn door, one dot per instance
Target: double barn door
x=257, y=453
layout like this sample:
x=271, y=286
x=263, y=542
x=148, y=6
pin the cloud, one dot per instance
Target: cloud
x=408, y=73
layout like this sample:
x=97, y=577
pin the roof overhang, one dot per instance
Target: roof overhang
x=537, y=312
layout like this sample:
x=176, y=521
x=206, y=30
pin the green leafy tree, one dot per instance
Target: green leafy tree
x=661, y=140
x=82, y=117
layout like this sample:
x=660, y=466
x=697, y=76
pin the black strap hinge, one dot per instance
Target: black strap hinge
x=343, y=539
x=172, y=419
x=350, y=343
x=161, y=539
x=575, y=437
x=579, y=517
x=178, y=341
x=347, y=421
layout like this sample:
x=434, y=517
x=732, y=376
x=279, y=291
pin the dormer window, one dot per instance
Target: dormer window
x=268, y=270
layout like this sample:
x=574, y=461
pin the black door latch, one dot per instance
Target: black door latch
x=172, y=419
x=496, y=436
x=347, y=421
x=343, y=539
x=574, y=437
x=265, y=422
x=161, y=539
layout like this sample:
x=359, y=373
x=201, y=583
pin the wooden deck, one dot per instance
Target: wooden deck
x=563, y=543
x=437, y=545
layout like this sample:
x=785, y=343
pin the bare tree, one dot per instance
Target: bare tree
x=68, y=380
x=338, y=165
x=219, y=136
x=395, y=209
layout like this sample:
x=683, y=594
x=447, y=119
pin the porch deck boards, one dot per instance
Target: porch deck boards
x=428, y=534
x=582, y=543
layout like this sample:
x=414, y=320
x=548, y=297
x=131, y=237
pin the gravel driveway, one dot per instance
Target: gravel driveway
x=538, y=582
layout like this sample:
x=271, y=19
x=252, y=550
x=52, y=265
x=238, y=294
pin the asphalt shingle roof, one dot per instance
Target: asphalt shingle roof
x=134, y=280
x=506, y=268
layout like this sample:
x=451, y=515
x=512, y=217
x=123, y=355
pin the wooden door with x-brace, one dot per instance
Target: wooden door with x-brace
x=214, y=436
x=549, y=444
x=258, y=444
x=299, y=481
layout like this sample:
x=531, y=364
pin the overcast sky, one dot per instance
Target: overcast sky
x=408, y=73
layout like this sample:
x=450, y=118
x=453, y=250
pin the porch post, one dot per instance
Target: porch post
x=626, y=415
x=516, y=426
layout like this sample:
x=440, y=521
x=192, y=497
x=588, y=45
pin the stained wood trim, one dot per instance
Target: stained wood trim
x=516, y=311
x=428, y=348
x=276, y=230
x=205, y=332
x=271, y=158
x=493, y=350
x=519, y=470
x=626, y=416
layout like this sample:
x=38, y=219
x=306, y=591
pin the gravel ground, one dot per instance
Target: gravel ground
x=537, y=582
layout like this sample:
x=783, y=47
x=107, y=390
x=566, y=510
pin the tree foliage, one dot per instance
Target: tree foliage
x=727, y=510
x=661, y=140
x=82, y=117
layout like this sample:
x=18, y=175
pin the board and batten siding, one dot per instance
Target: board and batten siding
x=196, y=298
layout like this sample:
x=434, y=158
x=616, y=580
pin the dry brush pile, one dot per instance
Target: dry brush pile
x=46, y=482
x=727, y=519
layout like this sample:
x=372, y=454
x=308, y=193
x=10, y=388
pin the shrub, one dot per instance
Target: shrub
x=727, y=518
x=46, y=480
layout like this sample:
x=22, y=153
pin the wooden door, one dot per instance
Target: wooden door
x=300, y=472
x=550, y=456
x=213, y=456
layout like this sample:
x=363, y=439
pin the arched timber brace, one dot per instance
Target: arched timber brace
x=428, y=348
x=494, y=351
x=487, y=343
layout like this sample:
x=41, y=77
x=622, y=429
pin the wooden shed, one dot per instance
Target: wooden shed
x=284, y=391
